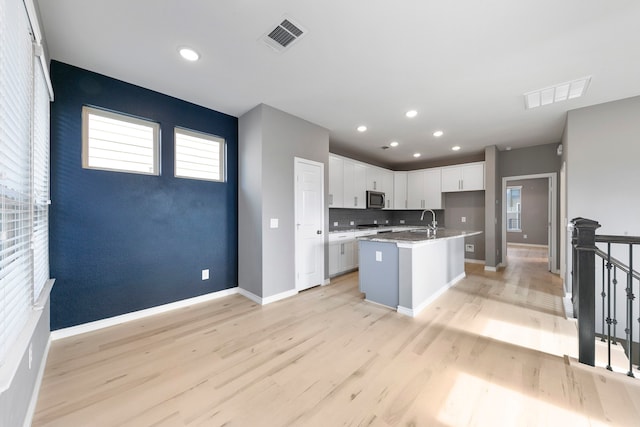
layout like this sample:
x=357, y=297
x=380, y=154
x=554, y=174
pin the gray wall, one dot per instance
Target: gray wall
x=14, y=402
x=468, y=204
x=493, y=210
x=534, y=212
x=250, y=201
x=602, y=152
x=269, y=139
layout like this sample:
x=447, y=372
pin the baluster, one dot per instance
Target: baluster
x=608, y=305
x=629, y=329
x=603, y=294
x=615, y=304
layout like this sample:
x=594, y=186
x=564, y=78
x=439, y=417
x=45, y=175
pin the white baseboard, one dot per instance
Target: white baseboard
x=326, y=282
x=413, y=312
x=268, y=300
x=140, y=314
x=31, y=410
x=474, y=261
x=490, y=268
x=527, y=245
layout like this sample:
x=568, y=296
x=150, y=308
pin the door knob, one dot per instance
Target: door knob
x=319, y=232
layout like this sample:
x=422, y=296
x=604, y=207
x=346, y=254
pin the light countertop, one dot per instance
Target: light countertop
x=418, y=236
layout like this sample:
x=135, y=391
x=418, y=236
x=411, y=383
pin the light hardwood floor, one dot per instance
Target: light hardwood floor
x=495, y=350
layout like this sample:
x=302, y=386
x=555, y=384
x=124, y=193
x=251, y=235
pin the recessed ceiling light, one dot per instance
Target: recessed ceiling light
x=394, y=143
x=556, y=93
x=455, y=148
x=361, y=128
x=438, y=133
x=411, y=113
x=416, y=155
x=508, y=148
x=189, y=54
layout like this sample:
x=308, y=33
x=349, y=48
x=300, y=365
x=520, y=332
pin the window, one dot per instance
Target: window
x=24, y=175
x=116, y=142
x=199, y=155
x=514, y=204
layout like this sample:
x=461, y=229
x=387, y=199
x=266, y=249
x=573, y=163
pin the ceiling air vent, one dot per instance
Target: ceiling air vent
x=284, y=35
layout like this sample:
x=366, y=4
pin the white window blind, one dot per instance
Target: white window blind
x=16, y=79
x=40, y=181
x=198, y=155
x=120, y=143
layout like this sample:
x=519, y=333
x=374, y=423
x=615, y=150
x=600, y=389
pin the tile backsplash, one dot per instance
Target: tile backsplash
x=384, y=217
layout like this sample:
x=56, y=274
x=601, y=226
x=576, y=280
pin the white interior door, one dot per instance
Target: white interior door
x=309, y=213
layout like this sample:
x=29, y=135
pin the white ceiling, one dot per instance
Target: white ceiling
x=463, y=65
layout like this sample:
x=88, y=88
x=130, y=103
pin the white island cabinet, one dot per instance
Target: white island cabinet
x=408, y=270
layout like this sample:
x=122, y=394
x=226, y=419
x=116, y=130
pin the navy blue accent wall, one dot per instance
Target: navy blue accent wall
x=122, y=242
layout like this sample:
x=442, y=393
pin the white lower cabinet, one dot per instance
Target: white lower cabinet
x=342, y=253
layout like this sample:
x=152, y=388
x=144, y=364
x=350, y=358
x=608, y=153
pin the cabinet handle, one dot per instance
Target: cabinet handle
x=341, y=248
x=374, y=185
x=406, y=204
x=330, y=199
x=355, y=201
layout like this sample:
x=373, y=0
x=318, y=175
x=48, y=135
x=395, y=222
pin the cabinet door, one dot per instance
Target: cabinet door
x=473, y=177
x=336, y=179
x=399, y=190
x=360, y=185
x=374, y=178
x=415, y=190
x=387, y=188
x=334, y=258
x=451, y=179
x=347, y=261
x=432, y=189
x=349, y=185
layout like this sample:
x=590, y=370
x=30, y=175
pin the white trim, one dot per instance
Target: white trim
x=326, y=282
x=490, y=268
x=553, y=199
x=413, y=312
x=37, y=38
x=268, y=300
x=140, y=314
x=474, y=261
x=31, y=409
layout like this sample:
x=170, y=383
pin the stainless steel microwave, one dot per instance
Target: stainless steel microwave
x=375, y=200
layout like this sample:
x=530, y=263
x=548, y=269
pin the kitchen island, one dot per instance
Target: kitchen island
x=407, y=270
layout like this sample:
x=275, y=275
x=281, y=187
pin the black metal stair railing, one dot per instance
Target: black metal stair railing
x=584, y=297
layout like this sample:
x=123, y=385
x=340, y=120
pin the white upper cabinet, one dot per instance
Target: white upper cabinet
x=374, y=178
x=379, y=179
x=415, y=189
x=336, y=180
x=423, y=189
x=399, y=190
x=355, y=181
x=432, y=192
x=387, y=188
x=467, y=177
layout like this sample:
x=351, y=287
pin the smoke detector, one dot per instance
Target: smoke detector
x=284, y=35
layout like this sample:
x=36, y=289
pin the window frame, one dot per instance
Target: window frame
x=222, y=153
x=87, y=110
x=518, y=209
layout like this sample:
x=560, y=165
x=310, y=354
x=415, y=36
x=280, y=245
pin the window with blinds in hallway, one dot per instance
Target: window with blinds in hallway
x=120, y=143
x=198, y=155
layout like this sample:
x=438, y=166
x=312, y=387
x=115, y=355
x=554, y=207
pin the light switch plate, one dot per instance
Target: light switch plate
x=469, y=247
x=274, y=222
x=205, y=274
x=463, y=219
x=379, y=256
x=375, y=221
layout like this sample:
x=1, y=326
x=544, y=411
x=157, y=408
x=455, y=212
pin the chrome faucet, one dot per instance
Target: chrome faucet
x=434, y=223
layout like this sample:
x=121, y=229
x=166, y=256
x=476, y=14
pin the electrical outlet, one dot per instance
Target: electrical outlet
x=386, y=222
x=469, y=247
x=402, y=221
x=463, y=219
x=335, y=224
x=379, y=256
x=205, y=274
x=274, y=223
x=352, y=223
x=375, y=221
x=525, y=236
